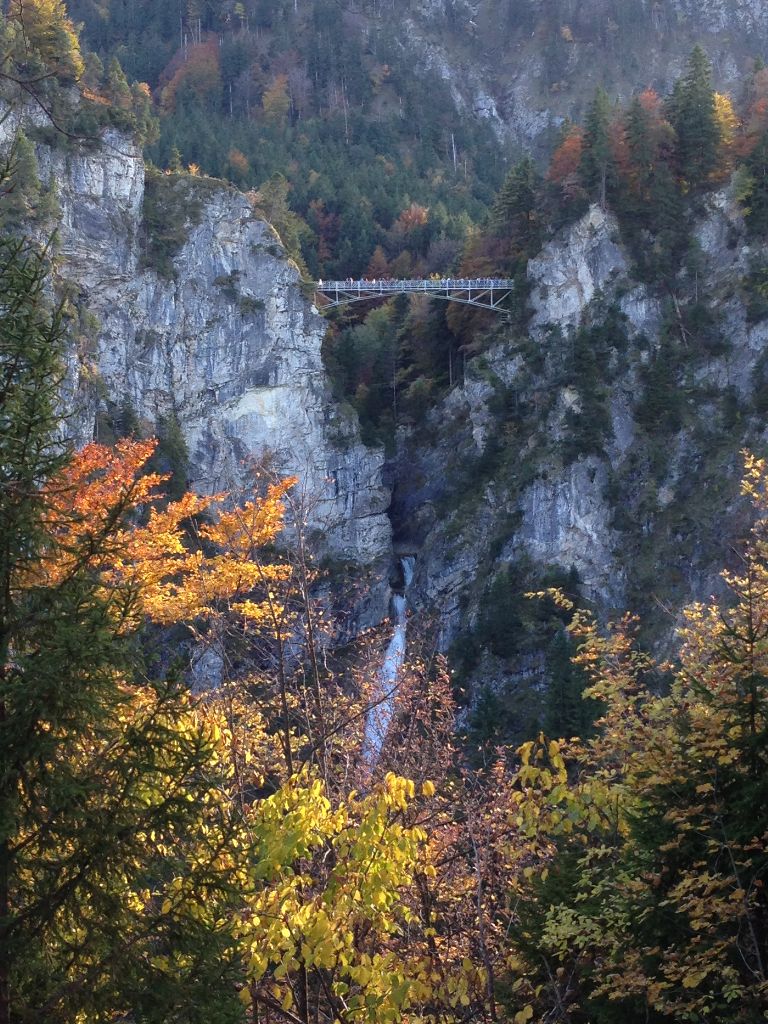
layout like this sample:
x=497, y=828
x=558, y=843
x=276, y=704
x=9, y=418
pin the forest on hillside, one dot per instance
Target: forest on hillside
x=318, y=99
x=244, y=855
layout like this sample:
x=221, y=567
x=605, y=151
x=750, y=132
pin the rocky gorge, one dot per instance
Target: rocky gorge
x=509, y=489
x=220, y=339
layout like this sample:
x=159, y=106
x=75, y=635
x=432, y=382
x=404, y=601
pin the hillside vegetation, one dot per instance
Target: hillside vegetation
x=322, y=98
x=651, y=162
x=241, y=855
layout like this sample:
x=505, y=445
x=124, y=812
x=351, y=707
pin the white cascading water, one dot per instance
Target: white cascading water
x=383, y=697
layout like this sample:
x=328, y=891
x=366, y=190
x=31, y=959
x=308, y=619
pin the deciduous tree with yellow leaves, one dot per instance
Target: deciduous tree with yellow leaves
x=652, y=904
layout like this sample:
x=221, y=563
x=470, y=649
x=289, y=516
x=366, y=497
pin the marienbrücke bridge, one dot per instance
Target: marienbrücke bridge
x=485, y=292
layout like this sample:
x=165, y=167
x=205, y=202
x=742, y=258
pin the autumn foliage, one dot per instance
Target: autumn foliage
x=196, y=73
x=546, y=880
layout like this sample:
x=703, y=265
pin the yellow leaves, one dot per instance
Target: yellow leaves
x=243, y=530
x=753, y=481
x=694, y=979
x=428, y=789
x=257, y=965
x=668, y=765
x=553, y=594
x=398, y=791
x=297, y=920
x=727, y=122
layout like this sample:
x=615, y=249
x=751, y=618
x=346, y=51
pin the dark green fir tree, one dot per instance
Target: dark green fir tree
x=515, y=212
x=85, y=832
x=597, y=165
x=692, y=114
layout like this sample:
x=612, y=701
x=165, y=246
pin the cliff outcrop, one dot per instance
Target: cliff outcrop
x=603, y=447
x=187, y=311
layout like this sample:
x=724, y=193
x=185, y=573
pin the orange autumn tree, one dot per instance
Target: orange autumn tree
x=176, y=561
x=564, y=166
x=193, y=73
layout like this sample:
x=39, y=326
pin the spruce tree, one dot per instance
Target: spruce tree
x=755, y=194
x=640, y=142
x=118, y=90
x=515, y=212
x=22, y=185
x=692, y=114
x=93, y=75
x=597, y=163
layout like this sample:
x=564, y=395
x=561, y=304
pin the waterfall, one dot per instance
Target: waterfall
x=378, y=718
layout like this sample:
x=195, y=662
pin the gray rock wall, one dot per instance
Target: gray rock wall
x=647, y=523
x=228, y=345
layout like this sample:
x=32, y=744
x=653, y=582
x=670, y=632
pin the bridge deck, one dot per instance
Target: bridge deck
x=486, y=292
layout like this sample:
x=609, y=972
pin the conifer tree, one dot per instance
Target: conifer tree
x=118, y=90
x=597, y=164
x=108, y=787
x=22, y=185
x=640, y=141
x=515, y=211
x=754, y=188
x=93, y=73
x=693, y=116
x=43, y=32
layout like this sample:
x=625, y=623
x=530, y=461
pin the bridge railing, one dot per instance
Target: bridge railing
x=416, y=285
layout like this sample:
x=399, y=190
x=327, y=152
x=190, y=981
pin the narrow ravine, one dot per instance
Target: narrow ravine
x=378, y=719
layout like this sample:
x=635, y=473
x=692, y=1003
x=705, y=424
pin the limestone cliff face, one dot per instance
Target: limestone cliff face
x=224, y=341
x=572, y=269
x=647, y=512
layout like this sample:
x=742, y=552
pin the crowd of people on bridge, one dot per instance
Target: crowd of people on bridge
x=418, y=284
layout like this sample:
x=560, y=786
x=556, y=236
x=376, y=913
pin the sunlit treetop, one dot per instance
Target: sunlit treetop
x=39, y=36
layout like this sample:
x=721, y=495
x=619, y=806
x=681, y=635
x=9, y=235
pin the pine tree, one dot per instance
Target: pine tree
x=643, y=150
x=117, y=88
x=754, y=188
x=597, y=164
x=175, y=162
x=22, y=186
x=693, y=116
x=93, y=74
x=147, y=125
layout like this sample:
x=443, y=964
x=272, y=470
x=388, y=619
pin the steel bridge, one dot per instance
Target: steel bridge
x=485, y=292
